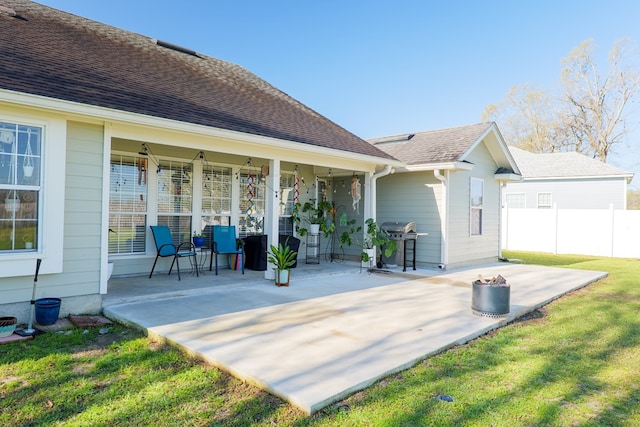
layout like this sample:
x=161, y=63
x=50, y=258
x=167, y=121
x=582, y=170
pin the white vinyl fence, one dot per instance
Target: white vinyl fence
x=602, y=232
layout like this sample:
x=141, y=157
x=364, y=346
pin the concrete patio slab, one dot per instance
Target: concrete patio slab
x=322, y=339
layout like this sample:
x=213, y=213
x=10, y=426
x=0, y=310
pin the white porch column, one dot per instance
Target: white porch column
x=369, y=208
x=272, y=210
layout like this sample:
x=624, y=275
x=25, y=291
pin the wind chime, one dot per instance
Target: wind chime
x=251, y=179
x=296, y=195
x=355, y=193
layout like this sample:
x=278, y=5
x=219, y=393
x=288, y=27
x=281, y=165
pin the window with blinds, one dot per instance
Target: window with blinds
x=286, y=203
x=252, y=203
x=175, y=196
x=216, y=195
x=127, y=204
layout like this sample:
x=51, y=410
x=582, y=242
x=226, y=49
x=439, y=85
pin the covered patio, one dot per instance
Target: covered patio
x=335, y=330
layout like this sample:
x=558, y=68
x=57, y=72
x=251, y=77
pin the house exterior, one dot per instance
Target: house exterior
x=567, y=180
x=451, y=187
x=104, y=132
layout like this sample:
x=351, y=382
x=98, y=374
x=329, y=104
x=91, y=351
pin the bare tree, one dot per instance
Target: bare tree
x=590, y=116
x=528, y=118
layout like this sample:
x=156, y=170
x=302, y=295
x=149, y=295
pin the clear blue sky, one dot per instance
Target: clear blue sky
x=386, y=67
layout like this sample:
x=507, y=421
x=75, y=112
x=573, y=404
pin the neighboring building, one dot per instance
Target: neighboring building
x=451, y=188
x=105, y=130
x=567, y=180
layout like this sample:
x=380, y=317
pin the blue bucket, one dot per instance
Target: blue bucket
x=47, y=310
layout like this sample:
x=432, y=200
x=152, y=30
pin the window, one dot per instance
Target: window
x=544, y=200
x=286, y=203
x=216, y=195
x=127, y=204
x=476, y=196
x=252, y=203
x=175, y=184
x=20, y=187
x=516, y=200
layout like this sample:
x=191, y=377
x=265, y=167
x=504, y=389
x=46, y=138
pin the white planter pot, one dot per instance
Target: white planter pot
x=282, y=277
x=11, y=204
x=314, y=228
x=28, y=171
x=372, y=258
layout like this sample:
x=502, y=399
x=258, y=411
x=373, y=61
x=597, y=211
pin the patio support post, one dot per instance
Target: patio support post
x=272, y=210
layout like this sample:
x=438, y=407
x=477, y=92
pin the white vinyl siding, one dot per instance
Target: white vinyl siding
x=415, y=196
x=83, y=212
x=465, y=249
x=594, y=193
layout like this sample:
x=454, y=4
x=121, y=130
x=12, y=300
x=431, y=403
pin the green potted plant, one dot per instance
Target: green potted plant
x=316, y=216
x=374, y=237
x=282, y=257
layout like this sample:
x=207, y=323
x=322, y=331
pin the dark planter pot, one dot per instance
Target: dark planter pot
x=47, y=310
x=490, y=301
x=198, y=242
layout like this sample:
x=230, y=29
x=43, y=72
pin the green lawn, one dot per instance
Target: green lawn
x=575, y=362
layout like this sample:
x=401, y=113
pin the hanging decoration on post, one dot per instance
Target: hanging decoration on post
x=251, y=179
x=355, y=193
x=296, y=196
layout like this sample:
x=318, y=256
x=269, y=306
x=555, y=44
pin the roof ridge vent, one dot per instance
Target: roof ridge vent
x=176, y=48
x=393, y=139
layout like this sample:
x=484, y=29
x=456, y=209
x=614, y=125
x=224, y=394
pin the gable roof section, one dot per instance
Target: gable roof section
x=58, y=55
x=447, y=146
x=563, y=165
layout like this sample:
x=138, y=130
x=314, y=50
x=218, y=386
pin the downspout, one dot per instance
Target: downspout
x=444, y=225
x=374, y=202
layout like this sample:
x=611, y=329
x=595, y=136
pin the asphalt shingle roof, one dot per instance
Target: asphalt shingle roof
x=55, y=54
x=561, y=165
x=436, y=146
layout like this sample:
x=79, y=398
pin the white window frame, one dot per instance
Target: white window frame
x=520, y=195
x=545, y=205
x=476, y=206
x=51, y=203
x=187, y=172
x=114, y=182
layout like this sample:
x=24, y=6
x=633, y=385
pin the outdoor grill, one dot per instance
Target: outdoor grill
x=400, y=232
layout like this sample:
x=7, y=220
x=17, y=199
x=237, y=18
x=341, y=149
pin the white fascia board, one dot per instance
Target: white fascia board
x=108, y=114
x=573, y=178
x=511, y=177
x=443, y=166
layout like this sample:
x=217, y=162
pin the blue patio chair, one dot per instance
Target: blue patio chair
x=224, y=243
x=166, y=248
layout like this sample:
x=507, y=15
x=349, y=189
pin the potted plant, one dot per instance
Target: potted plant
x=283, y=258
x=317, y=216
x=198, y=239
x=374, y=237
